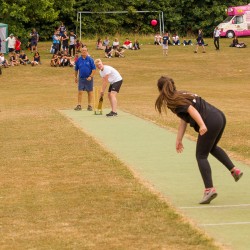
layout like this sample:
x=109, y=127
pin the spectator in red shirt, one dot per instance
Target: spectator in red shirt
x=18, y=45
x=127, y=44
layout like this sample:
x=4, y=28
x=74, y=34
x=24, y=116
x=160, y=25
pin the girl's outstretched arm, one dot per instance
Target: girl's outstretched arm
x=180, y=134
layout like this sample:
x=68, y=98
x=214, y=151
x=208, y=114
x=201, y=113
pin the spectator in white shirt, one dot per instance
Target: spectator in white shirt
x=176, y=39
x=11, y=42
x=217, y=38
x=158, y=39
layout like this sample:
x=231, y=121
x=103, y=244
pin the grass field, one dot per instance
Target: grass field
x=60, y=190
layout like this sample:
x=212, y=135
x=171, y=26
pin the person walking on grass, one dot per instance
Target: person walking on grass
x=112, y=76
x=200, y=42
x=84, y=72
x=208, y=121
x=216, y=36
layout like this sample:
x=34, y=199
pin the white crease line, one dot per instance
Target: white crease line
x=225, y=224
x=222, y=206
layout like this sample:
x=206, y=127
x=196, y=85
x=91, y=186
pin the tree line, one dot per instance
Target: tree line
x=182, y=16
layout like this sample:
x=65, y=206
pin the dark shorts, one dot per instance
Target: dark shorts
x=11, y=49
x=65, y=46
x=33, y=43
x=115, y=86
x=200, y=43
x=85, y=85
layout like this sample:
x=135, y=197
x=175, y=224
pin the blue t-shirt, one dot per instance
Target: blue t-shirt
x=55, y=39
x=85, y=66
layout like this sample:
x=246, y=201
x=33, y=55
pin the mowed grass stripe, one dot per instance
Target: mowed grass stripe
x=61, y=190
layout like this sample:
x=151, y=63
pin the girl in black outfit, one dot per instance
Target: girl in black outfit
x=207, y=120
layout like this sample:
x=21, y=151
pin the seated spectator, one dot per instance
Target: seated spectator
x=236, y=43
x=65, y=59
x=99, y=44
x=108, y=51
x=187, y=42
x=13, y=59
x=106, y=42
x=127, y=44
x=36, y=59
x=76, y=57
x=3, y=62
x=119, y=52
x=78, y=46
x=115, y=43
x=158, y=39
x=55, y=61
x=136, y=45
x=23, y=59
x=176, y=39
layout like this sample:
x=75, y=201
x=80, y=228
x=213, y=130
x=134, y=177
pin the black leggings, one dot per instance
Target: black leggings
x=72, y=47
x=217, y=42
x=207, y=143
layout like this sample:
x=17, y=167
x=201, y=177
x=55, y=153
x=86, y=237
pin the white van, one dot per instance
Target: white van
x=237, y=23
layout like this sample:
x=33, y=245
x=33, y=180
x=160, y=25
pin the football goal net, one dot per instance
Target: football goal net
x=81, y=13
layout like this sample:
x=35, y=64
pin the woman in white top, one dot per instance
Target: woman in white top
x=115, y=43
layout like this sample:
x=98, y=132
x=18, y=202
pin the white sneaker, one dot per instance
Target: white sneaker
x=209, y=195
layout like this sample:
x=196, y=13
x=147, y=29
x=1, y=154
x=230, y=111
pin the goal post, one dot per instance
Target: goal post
x=80, y=13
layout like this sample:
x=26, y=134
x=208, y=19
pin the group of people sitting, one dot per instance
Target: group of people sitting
x=62, y=59
x=158, y=40
x=115, y=48
x=16, y=59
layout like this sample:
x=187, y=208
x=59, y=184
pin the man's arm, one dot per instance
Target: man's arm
x=91, y=75
x=104, y=83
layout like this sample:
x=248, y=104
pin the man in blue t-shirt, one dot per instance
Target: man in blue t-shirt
x=85, y=70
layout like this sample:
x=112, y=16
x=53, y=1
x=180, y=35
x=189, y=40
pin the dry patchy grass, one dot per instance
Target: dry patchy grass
x=61, y=190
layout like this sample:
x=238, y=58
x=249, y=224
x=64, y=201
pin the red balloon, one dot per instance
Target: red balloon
x=154, y=22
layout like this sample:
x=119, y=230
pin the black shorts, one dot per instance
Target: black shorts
x=65, y=46
x=115, y=86
x=33, y=42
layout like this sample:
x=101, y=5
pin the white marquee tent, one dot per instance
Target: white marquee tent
x=3, y=35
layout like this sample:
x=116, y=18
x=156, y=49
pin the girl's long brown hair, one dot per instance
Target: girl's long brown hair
x=169, y=97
